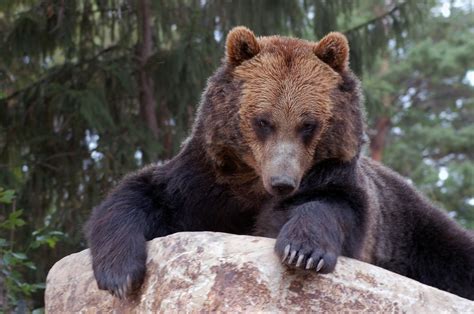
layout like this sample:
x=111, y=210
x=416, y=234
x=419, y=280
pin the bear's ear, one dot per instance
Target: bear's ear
x=333, y=49
x=241, y=45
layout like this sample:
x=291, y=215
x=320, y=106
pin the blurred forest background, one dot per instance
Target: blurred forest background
x=93, y=89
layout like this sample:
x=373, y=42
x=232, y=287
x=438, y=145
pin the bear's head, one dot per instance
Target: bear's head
x=277, y=106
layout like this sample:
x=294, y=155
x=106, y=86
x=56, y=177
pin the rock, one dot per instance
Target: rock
x=190, y=272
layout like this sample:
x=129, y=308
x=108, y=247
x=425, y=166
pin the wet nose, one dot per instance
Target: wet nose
x=282, y=185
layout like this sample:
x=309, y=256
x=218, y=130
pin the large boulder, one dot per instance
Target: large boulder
x=190, y=272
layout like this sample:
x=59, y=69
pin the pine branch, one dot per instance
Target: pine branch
x=375, y=19
x=51, y=76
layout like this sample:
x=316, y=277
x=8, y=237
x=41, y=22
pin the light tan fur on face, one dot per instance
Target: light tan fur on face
x=289, y=84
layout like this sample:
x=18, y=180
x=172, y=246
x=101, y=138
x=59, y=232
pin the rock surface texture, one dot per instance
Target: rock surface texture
x=191, y=272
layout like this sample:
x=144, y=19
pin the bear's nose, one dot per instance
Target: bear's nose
x=282, y=185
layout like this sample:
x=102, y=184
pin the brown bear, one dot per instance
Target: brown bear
x=276, y=151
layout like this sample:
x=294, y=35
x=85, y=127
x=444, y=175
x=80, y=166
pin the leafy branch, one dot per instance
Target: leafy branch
x=57, y=73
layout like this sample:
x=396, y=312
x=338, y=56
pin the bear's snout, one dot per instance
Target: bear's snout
x=283, y=166
x=282, y=185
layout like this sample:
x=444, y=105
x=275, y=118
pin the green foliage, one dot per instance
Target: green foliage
x=432, y=113
x=71, y=123
x=14, y=263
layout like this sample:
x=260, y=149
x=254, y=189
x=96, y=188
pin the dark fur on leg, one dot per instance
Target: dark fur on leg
x=117, y=232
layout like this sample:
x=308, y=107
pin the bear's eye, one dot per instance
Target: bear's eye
x=308, y=127
x=307, y=131
x=263, y=123
x=263, y=128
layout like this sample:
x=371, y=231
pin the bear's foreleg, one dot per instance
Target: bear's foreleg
x=118, y=229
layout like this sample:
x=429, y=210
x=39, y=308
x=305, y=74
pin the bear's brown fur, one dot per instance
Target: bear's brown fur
x=276, y=151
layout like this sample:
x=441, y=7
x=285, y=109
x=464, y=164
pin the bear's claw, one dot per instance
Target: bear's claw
x=320, y=265
x=292, y=257
x=125, y=289
x=120, y=281
x=300, y=260
x=287, y=251
x=122, y=291
x=310, y=262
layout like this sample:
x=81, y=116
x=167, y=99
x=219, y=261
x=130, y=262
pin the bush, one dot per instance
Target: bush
x=15, y=291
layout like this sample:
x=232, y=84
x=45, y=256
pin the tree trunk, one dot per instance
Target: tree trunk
x=145, y=81
x=382, y=122
x=377, y=142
